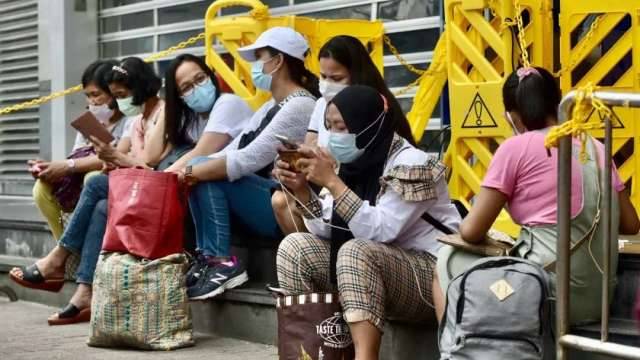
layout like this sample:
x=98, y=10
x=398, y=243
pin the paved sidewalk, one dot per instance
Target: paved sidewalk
x=24, y=334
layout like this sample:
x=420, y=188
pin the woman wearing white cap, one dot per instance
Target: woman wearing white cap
x=236, y=182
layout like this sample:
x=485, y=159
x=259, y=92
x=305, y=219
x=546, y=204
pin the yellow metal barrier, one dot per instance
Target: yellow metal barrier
x=482, y=51
x=233, y=32
x=600, y=44
x=431, y=85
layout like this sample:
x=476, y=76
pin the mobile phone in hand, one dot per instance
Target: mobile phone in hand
x=287, y=143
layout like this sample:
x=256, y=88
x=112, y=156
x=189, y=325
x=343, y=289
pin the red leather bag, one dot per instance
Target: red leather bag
x=145, y=214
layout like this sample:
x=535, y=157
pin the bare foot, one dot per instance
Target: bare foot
x=51, y=266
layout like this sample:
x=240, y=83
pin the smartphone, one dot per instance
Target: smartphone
x=88, y=126
x=287, y=143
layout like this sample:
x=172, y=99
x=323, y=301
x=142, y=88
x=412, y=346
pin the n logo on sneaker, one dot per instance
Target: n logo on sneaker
x=219, y=279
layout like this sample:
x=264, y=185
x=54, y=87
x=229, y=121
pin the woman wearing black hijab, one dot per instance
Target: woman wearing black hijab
x=367, y=237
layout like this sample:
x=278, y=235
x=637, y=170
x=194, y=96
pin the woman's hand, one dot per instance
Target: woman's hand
x=318, y=166
x=106, y=152
x=53, y=171
x=296, y=182
x=107, y=167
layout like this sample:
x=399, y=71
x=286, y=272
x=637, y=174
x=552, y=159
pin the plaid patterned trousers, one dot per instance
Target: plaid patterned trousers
x=374, y=280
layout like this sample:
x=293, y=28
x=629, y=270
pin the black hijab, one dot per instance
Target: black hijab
x=360, y=106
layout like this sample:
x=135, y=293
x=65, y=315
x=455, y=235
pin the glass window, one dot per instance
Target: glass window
x=137, y=46
x=106, y=4
x=126, y=22
x=167, y=40
x=110, y=49
x=409, y=9
x=186, y=12
x=399, y=75
x=414, y=41
x=356, y=12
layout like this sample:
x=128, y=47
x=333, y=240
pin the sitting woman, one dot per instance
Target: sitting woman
x=104, y=108
x=368, y=234
x=135, y=86
x=236, y=183
x=195, y=113
x=523, y=176
x=343, y=61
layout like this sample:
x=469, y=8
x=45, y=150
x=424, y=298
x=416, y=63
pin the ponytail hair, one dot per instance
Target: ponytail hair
x=299, y=73
x=534, y=94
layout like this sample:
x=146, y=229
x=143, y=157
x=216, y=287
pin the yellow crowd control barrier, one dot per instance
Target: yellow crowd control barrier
x=600, y=45
x=481, y=52
x=233, y=32
x=431, y=84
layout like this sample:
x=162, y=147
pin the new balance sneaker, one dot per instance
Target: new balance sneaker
x=216, y=279
x=197, y=268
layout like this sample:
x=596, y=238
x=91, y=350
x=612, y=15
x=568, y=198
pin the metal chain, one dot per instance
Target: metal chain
x=421, y=73
x=71, y=90
x=401, y=60
x=521, y=34
x=587, y=37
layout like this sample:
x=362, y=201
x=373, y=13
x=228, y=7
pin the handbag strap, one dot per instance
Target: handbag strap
x=436, y=223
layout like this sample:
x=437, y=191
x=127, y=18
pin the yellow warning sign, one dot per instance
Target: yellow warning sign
x=616, y=123
x=478, y=115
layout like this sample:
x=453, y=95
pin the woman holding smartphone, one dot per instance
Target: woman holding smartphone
x=236, y=182
x=367, y=238
x=103, y=106
x=135, y=86
x=343, y=61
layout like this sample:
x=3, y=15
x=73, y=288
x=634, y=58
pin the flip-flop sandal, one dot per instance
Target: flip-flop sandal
x=71, y=315
x=33, y=279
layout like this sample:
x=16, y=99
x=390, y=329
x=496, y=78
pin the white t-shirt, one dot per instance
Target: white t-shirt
x=229, y=115
x=317, y=123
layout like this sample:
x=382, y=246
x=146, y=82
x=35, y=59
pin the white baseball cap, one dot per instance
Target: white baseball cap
x=281, y=38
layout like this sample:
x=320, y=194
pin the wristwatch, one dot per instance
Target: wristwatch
x=189, y=178
x=71, y=164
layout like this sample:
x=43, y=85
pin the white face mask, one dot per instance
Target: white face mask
x=330, y=89
x=101, y=112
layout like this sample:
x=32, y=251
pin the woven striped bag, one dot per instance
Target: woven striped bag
x=140, y=303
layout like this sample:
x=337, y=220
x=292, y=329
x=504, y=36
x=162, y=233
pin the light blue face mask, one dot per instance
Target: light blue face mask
x=343, y=145
x=202, y=97
x=260, y=79
x=127, y=108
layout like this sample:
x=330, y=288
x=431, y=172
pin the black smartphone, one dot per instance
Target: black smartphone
x=287, y=143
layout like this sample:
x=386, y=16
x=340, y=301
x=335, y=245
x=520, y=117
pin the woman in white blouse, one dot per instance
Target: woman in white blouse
x=368, y=238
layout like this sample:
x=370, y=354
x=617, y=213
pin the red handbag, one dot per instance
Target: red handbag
x=146, y=213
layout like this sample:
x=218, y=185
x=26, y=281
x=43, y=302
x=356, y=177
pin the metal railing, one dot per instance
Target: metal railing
x=565, y=340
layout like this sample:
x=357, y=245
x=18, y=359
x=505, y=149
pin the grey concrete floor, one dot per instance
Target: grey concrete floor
x=24, y=334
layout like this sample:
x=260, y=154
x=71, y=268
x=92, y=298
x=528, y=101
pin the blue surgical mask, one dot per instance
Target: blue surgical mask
x=202, y=97
x=127, y=108
x=260, y=79
x=343, y=145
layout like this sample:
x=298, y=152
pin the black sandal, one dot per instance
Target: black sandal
x=32, y=278
x=70, y=314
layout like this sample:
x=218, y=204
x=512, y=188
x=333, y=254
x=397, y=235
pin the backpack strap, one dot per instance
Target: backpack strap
x=596, y=220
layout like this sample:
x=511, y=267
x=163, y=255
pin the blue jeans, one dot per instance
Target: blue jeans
x=213, y=203
x=85, y=230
